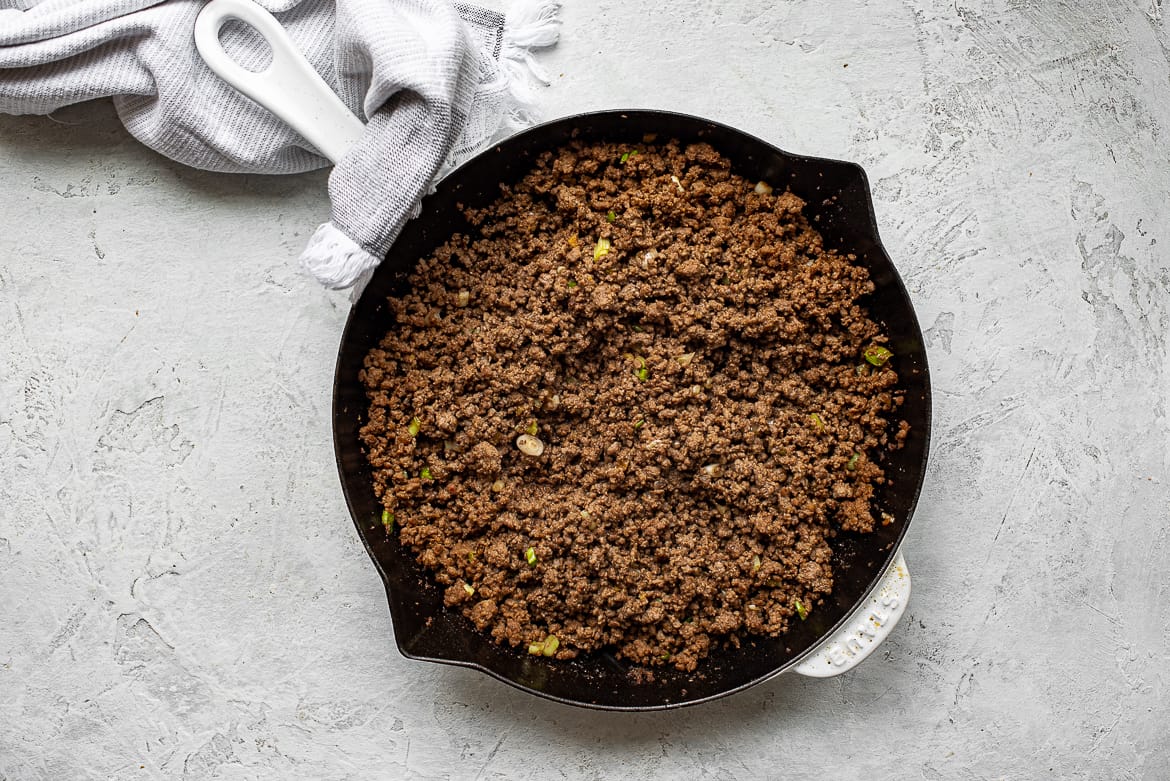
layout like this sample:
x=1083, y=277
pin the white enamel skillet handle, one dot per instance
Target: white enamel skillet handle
x=865, y=630
x=288, y=87
x=294, y=92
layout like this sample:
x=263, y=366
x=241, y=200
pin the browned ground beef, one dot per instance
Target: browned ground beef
x=707, y=419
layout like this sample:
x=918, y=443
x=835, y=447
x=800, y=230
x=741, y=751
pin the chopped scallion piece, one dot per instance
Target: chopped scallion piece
x=425, y=474
x=602, y=249
x=642, y=374
x=572, y=283
x=801, y=610
x=665, y=657
x=851, y=465
x=610, y=216
x=414, y=427
x=546, y=647
x=626, y=156
x=877, y=355
x=470, y=557
x=756, y=564
x=685, y=359
x=639, y=424
x=530, y=557
x=531, y=429
x=469, y=589
x=388, y=520
x=816, y=419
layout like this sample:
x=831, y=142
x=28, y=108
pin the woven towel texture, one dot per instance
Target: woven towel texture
x=424, y=74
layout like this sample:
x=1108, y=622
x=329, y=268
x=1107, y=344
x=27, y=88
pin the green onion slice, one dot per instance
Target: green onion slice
x=877, y=355
x=546, y=647
x=602, y=248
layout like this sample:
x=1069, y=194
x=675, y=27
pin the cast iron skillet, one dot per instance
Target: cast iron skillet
x=837, y=194
x=838, y=203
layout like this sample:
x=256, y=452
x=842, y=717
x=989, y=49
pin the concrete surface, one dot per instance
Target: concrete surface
x=181, y=588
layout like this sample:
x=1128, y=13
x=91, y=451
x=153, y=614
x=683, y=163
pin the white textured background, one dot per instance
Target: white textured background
x=181, y=589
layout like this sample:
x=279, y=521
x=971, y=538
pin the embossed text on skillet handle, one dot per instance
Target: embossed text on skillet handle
x=866, y=628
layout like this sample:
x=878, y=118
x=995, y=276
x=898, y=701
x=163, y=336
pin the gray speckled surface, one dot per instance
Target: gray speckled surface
x=181, y=588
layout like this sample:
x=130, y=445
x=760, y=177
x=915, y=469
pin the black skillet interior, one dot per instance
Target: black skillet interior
x=838, y=202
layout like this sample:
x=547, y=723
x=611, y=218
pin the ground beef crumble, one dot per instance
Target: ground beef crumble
x=681, y=360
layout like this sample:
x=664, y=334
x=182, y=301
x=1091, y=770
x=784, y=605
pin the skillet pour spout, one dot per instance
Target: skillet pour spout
x=839, y=207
